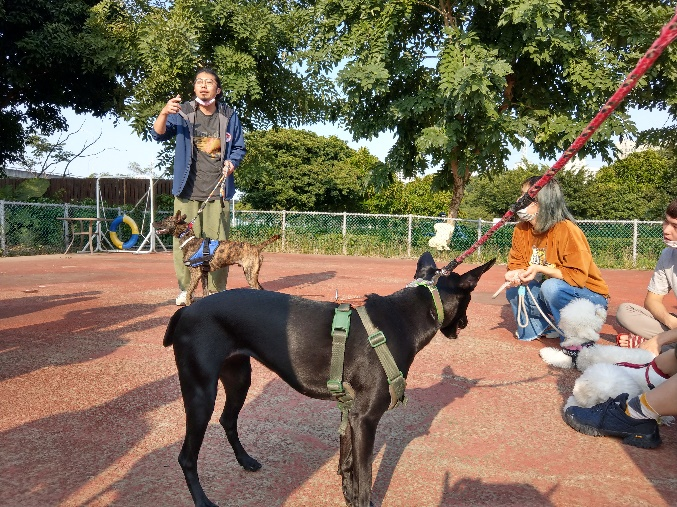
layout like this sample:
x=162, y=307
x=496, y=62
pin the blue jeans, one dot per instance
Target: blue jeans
x=552, y=295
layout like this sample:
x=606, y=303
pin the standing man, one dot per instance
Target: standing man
x=209, y=145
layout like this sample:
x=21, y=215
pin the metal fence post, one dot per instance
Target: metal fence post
x=284, y=229
x=409, y=238
x=2, y=227
x=634, y=243
x=479, y=236
x=344, y=230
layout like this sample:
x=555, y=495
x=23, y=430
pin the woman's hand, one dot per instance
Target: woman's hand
x=513, y=277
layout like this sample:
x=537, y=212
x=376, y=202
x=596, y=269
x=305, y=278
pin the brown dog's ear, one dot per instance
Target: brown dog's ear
x=183, y=218
x=177, y=216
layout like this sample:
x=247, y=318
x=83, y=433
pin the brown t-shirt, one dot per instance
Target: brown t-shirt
x=206, y=167
x=563, y=246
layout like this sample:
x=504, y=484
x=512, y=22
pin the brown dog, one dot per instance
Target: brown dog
x=227, y=253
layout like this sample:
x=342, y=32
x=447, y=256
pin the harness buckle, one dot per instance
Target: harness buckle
x=376, y=339
x=335, y=387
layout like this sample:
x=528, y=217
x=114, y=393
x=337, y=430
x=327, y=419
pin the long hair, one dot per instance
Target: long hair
x=551, y=205
x=207, y=70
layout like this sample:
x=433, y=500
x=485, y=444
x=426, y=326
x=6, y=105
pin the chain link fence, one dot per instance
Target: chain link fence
x=34, y=228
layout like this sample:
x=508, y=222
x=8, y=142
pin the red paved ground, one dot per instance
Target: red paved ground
x=91, y=415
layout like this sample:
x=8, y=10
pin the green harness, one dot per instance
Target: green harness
x=340, y=327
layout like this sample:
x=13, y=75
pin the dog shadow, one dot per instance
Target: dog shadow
x=468, y=491
x=399, y=428
x=287, y=282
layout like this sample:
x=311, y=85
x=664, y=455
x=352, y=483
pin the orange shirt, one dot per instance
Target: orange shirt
x=564, y=247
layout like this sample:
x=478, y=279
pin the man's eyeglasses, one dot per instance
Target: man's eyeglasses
x=209, y=82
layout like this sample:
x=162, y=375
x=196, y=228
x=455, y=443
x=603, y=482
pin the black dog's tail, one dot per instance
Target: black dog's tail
x=268, y=241
x=169, y=333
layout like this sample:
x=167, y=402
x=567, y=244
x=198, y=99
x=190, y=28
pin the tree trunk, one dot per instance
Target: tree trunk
x=457, y=191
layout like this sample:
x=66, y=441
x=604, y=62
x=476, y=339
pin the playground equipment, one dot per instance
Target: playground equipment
x=148, y=245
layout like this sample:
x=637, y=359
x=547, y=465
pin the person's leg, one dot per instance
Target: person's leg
x=556, y=294
x=188, y=208
x=638, y=320
x=535, y=323
x=216, y=225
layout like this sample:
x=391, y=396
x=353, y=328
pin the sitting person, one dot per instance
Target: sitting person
x=646, y=323
x=552, y=257
x=634, y=420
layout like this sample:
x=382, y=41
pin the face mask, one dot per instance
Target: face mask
x=671, y=244
x=524, y=216
x=205, y=102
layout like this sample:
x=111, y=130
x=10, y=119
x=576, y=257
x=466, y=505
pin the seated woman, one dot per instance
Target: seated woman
x=552, y=257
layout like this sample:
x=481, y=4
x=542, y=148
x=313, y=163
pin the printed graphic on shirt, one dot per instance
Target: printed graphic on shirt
x=537, y=257
x=208, y=143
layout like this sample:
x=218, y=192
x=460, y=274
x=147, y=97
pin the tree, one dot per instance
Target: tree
x=47, y=156
x=250, y=44
x=639, y=186
x=411, y=198
x=461, y=83
x=57, y=55
x=299, y=170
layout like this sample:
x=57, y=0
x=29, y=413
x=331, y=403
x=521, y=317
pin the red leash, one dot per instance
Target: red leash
x=668, y=34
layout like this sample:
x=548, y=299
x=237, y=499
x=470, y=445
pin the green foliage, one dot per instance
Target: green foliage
x=461, y=84
x=416, y=197
x=250, y=44
x=57, y=55
x=27, y=190
x=299, y=170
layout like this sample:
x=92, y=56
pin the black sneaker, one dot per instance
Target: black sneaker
x=609, y=419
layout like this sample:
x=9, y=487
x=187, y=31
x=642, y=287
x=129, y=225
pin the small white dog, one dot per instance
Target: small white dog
x=608, y=370
x=580, y=323
x=443, y=233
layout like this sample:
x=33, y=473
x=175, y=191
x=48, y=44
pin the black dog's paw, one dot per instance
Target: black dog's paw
x=249, y=464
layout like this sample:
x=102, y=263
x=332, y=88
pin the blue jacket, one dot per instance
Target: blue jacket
x=181, y=126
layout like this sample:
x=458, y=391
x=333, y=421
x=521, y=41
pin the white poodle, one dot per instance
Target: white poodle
x=443, y=233
x=580, y=323
x=608, y=370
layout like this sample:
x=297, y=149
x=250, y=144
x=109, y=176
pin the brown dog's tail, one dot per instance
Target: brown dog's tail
x=169, y=333
x=267, y=242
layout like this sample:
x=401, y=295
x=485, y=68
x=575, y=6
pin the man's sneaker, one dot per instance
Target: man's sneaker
x=609, y=419
x=181, y=298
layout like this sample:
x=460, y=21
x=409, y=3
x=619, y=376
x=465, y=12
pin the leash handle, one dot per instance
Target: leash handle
x=667, y=35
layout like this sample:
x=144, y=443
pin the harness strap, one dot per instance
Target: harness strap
x=340, y=390
x=573, y=352
x=205, y=254
x=396, y=381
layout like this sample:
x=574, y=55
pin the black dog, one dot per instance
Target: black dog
x=215, y=338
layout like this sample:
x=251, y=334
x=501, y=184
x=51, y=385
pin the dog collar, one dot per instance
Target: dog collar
x=190, y=226
x=434, y=293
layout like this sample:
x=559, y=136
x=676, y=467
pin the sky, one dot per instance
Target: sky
x=119, y=145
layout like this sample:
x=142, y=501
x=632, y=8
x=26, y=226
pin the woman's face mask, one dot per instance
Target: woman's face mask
x=671, y=244
x=525, y=216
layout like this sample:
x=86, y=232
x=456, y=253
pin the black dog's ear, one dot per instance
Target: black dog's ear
x=469, y=280
x=426, y=267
